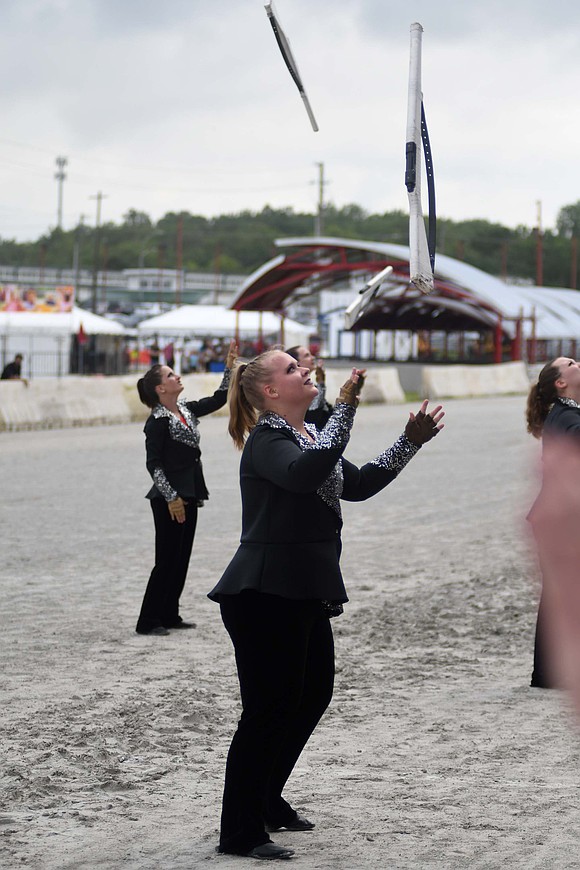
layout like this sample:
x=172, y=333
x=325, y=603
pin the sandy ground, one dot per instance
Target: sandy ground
x=435, y=752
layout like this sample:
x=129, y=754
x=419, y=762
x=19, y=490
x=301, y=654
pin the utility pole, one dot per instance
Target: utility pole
x=319, y=219
x=104, y=281
x=504, y=261
x=60, y=176
x=539, y=249
x=42, y=262
x=77, y=257
x=179, y=260
x=99, y=197
x=217, y=272
x=161, y=248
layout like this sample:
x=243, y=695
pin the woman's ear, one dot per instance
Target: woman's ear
x=270, y=392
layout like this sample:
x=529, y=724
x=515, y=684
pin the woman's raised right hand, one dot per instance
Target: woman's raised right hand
x=349, y=391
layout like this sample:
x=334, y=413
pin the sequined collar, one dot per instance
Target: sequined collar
x=570, y=402
x=330, y=490
x=269, y=418
x=186, y=432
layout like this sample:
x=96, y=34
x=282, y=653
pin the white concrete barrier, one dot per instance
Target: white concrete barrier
x=459, y=381
x=382, y=385
x=85, y=401
x=19, y=406
x=56, y=402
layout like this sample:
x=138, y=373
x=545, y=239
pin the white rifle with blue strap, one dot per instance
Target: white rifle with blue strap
x=284, y=46
x=421, y=246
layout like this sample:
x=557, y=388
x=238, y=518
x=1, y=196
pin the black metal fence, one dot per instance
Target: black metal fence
x=45, y=364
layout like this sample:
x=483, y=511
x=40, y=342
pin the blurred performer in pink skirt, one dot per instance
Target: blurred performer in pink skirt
x=553, y=414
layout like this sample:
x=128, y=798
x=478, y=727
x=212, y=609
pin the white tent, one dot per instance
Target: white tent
x=57, y=323
x=214, y=321
x=45, y=338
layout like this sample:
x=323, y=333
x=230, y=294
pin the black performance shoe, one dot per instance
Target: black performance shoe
x=299, y=824
x=270, y=851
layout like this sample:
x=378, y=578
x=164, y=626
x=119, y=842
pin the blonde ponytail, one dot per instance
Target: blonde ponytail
x=245, y=397
x=243, y=416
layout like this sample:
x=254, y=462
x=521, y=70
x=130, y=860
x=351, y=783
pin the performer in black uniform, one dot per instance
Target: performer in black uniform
x=174, y=463
x=284, y=582
x=553, y=409
x=319, y=410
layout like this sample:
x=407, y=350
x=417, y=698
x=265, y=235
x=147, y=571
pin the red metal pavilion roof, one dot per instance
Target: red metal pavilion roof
x=316, y=264
x=463, y=298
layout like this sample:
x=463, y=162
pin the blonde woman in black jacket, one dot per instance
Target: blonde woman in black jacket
x=174, y=463
x=284, y=582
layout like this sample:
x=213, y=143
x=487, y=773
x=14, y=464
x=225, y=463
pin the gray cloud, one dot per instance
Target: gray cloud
x=134, y=91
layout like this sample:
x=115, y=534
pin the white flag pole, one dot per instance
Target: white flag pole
x=284, y=46
x=420, y=272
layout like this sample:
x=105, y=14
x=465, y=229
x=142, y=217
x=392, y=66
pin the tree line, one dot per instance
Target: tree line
x=239, y=243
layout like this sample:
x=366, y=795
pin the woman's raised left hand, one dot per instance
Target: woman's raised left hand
x=232, y=354
x=423, y=426
x=319, y=372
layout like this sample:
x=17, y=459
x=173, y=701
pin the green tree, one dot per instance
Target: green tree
x=568, y=220
x=243, y=241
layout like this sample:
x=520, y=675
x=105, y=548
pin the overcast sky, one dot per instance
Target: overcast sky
x=187, y=105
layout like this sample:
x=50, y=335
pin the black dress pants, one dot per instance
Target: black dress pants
x=285, y=659
x=173, y=545
x=542, y=675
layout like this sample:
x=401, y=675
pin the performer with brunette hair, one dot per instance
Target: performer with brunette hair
x=284, y=582
x=552, y=414
x=319, y=411
x=174, y=463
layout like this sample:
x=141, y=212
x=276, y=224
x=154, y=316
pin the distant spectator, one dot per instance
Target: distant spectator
x=206, y=355
x=144, y=357
x=178, y=358
x=154, y=353
x=192, y=358
x=134, y=357
x=13, y=371
x=169, y=354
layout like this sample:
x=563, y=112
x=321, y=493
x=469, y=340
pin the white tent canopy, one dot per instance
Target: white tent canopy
x=45, y=339
x=58, y=323
x=214, y=321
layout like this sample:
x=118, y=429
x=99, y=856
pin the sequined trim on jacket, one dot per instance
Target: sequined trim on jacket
x=396, y=457
x=163, y=485
x=335, y=434
x=320, y=399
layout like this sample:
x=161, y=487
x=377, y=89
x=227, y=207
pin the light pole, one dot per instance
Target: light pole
x=99, y=197
x=60, y=176
x=319, y=219
x=77, y=257
x=539, y=248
